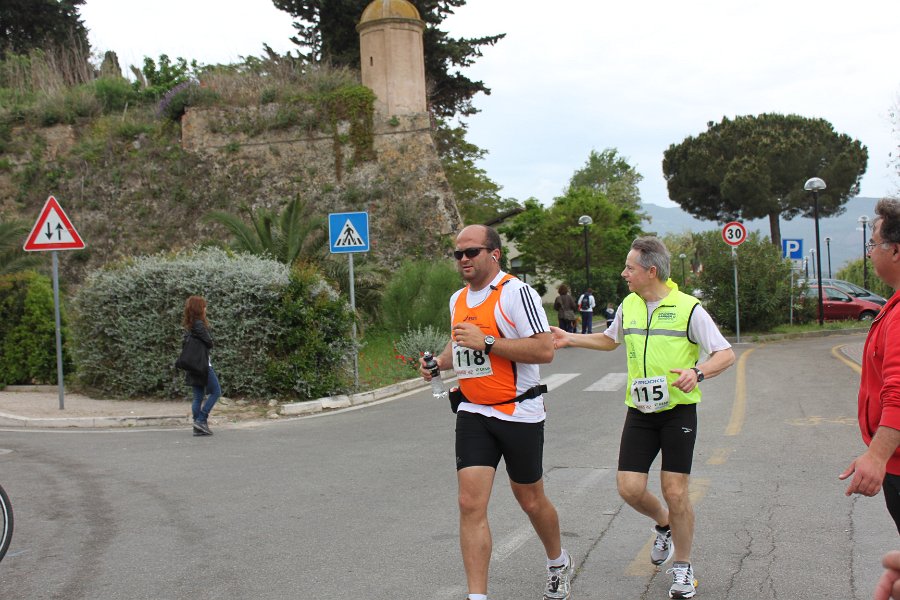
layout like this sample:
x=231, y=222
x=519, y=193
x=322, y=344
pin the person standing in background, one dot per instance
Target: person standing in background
x=610, y=313
x=565, y=308
x=586, y=304
x=195, y=324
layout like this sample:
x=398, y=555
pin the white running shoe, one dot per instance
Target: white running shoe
x=663, y=546
x=558, y=587
x=684, y=585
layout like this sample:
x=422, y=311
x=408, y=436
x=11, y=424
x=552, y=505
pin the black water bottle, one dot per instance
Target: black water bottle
x=437, y=385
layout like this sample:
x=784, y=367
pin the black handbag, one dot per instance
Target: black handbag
x=194, y=356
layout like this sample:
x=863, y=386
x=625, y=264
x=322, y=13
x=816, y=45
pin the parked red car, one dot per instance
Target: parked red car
x=841, y=306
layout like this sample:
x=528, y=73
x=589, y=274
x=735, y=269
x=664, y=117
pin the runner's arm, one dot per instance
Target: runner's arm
x=592, y=341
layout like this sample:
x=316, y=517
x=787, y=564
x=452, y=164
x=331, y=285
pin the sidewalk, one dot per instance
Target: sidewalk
x=37, y=407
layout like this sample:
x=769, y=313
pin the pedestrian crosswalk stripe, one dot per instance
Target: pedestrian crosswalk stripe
x=610, y=382
x=557, y=379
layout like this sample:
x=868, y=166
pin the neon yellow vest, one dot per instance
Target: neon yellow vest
x=663, y=345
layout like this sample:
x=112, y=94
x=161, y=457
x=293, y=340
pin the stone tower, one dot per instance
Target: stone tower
x=392, y=57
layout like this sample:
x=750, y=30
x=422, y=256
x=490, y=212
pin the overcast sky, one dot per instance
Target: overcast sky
x=583, y=74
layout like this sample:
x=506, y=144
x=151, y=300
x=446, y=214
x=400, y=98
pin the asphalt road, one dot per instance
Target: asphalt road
x=360, y=504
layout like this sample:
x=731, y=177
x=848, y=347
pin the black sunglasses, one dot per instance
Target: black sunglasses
x=468, y=252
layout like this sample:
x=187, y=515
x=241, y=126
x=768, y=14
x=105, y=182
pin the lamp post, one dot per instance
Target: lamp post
x=584, y=221
x=828, y=250
x=806, y=267
x=813, y=185
x=812, y=253
x=863, y=220
x=682, y=256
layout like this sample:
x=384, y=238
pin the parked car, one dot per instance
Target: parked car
x=852, y=289
x=841, y=306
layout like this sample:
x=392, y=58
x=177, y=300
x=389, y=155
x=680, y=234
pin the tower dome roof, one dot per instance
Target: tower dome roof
x=389, y=9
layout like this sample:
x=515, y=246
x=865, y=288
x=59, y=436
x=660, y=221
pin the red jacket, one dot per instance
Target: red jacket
x=879, y=386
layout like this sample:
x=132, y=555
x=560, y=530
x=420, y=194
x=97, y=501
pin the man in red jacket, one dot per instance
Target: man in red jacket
x=879, y=386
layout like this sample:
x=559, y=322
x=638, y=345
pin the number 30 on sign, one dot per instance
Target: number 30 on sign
x=734, y=233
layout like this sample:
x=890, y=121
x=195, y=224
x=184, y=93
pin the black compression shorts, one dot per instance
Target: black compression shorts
x=672, y=431
x=481, y=441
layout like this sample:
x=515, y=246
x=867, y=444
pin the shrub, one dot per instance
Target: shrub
x=127, y=326
x=28, y=330
x=419, y=295
x=188, y=93
x=853, y=272
x=764, y=282
x=114, y=93
x=415, y=341
x=311, y=354
x=127, y=321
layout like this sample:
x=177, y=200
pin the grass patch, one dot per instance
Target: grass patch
x=378, y=362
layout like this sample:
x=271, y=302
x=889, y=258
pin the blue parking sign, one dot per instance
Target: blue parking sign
x=348, y=232
x=792, y=249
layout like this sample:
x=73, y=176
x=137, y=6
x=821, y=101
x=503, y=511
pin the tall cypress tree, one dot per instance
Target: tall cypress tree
x=39, y=24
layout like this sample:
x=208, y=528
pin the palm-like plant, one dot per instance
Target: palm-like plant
x=296, y=234
x=12, y=258
x=285, y=235
x=368, y=282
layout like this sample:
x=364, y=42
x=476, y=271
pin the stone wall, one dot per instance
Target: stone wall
x=404, y=189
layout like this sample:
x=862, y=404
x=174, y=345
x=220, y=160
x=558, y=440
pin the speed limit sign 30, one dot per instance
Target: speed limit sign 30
x=734, y=233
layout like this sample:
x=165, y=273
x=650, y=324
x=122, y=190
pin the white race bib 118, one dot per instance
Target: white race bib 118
x=650, y=394
x=468, y=363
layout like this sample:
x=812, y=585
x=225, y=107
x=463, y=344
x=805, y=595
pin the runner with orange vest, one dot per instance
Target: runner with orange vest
x=499, y=336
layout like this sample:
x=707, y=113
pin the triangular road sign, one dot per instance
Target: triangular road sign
x=349, y=237
x=53, y=230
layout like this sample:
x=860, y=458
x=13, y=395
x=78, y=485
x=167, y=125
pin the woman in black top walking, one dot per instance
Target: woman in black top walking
x=195, y=324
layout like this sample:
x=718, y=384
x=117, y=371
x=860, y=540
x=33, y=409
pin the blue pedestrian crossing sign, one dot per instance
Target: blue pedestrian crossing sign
x=348, y=232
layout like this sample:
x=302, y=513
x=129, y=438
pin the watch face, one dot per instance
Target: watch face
x=488, y=339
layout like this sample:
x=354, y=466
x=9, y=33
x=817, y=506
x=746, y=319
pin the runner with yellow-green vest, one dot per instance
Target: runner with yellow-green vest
x=666, y=332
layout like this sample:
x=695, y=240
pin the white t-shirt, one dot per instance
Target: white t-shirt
x=521, y=305
x=593, y=303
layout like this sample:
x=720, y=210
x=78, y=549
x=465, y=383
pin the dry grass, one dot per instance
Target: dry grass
x=261, y=82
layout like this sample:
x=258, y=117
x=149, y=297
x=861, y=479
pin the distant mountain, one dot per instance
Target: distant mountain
x=845, y=233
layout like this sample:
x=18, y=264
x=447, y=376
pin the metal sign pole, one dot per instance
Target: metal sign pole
x=737, y=310
x=792, y=293
x=353, y=308
x=59, y=361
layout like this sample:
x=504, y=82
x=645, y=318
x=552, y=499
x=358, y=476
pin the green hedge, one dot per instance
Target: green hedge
x=127, y=326
x=28, y=330
x=418, y=295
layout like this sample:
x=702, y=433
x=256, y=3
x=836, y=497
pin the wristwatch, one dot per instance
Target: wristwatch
x=489, y=343
x=700, y=376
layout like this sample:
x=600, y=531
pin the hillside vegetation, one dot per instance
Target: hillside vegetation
x=113, y=153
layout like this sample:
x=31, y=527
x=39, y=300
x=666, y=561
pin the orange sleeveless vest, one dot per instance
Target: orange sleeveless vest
x=501, y=384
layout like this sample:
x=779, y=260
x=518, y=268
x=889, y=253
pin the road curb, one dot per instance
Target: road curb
x=7, y=420
x=347, y=400
x=292, y=409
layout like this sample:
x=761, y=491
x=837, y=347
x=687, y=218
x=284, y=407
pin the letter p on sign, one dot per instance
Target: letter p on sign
x=792, y=249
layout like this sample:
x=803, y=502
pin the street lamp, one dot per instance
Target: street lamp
x=863, y=220
x=584, y=221
x=813, y=262
x=828, y=249
x=682, y=256
x=814, y=185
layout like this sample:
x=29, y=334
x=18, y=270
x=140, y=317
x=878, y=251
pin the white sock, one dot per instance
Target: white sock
x=477, y=596
x=558, y=562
